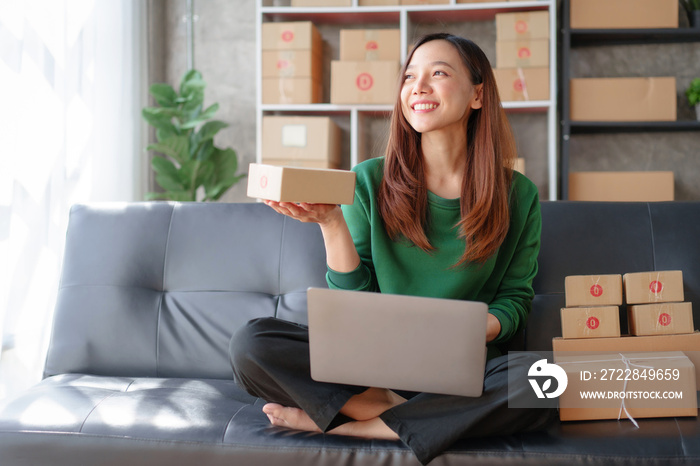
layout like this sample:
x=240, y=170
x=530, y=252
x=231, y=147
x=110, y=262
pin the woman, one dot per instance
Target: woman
x=442, y=214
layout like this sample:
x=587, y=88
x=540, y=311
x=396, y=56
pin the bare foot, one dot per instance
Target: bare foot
x=371, y=429
x=293, y=418
x=371, y=403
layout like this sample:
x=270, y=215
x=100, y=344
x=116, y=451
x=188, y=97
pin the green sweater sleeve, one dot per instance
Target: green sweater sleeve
x=358, y=218
x=513, y=300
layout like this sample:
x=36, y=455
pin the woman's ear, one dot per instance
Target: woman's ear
x=477, y=99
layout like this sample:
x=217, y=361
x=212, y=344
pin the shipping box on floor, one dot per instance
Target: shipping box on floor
x=370, y=44
x=664, y=286
x=660, y=319
x=689, y=343
x=515, y=84
x=623, y=99
x=628, y=385
x=621, y=186
x=590, y=322
x=522, y=25
x=623, y=14
x=291, y=184
x=363, y=82
x=526, y=53
x=299, y=138
x=593, y=290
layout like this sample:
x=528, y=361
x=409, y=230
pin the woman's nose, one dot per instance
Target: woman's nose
x=421, y=86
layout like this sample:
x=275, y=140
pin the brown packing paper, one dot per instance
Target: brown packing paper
x=653, y=287
x=660, y=319
x=301, y=138
x=621, y=186
x=688, y=343
x=292, y=184
x=590, y=322
x=633, y=385
x=593, y=290
x=623, y=99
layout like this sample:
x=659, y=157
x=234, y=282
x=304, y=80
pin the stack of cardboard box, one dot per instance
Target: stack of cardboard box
x=522, y=55
x=630, y=370
x=655, y=304
x=592, y=306
x=368, y=67
x=291, y=63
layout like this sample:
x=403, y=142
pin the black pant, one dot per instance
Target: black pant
x=270, y=359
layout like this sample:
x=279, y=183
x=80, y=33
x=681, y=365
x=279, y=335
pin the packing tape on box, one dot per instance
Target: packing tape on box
x=523, y=83
x=627, y=362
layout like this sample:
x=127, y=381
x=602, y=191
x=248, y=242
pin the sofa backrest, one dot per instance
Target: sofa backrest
x=595, y=238
x=157, y=289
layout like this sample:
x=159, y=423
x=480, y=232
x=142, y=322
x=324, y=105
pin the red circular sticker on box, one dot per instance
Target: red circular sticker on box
x=592, y=323
x=521, y=26
x=282, y=64
x=596, y=290
x=656, y=286
x=524, y=52
x=518, y=85
x=287, y=35
x=364, y=81
x=371, y=45
x=664, y=319
x=263, y=182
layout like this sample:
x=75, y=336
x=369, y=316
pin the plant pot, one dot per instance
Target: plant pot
x=694, y=18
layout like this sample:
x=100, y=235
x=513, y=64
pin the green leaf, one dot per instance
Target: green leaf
x=209, y=130
x=205, y=151
x=202, y=117
x=204, y=173
x=160, y=117
x=193, y=100
x=226, y=164
x=176, y=147
x=164, y=94
x=169, y=182
x=187, y=77
x=164, y=133
x=177, y=196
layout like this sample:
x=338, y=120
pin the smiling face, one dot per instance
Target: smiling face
x=437, y=93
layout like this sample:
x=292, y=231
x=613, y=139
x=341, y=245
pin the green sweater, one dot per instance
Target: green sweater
x=504, y=282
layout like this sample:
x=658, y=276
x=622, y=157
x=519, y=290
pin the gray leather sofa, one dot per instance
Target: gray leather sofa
x=138, y=373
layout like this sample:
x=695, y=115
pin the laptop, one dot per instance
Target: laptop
x=398, y=342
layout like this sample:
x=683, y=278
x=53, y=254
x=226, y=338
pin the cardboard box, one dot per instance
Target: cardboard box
x=623, y=14
x=301, y=138
x=301, y=163
x=653, y=287
x=364, y=82
x=593, y=290
x=629, y=389
x=623, y=99
x=291, y=91
x=621, y=186
x=292, y=64
x=660, y=319
x=370, y=44
x=290, y=184
x=689, y=343
x=321, y=2
x=531, y=53
x=377, y=2
x=516, y=84
x=296, y=35
x=522, y=25
x=590, y=322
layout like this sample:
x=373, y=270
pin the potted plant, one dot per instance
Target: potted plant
x=693, y=95
x=191, y=165
x=692, y=8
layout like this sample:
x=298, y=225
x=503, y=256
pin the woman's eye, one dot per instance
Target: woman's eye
x=408, y=76
x=440, y=73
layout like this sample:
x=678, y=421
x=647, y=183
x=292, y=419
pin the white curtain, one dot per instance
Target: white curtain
x=71, y=80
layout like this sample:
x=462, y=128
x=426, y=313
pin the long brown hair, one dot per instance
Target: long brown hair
x=403, y=194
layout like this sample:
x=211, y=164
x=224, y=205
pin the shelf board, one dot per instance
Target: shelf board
x=633, y=36
x=391, y=14
x=592, y=127
x=326, y=109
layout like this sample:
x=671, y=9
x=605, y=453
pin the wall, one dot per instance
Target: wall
x=224, y=51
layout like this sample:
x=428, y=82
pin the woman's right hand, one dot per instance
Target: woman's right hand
x=305, y=212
